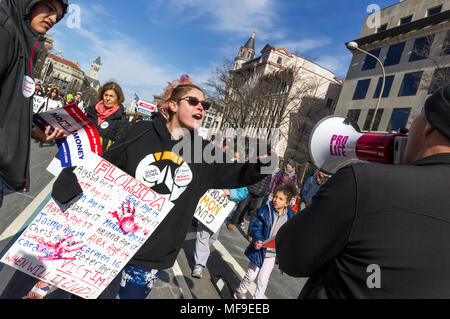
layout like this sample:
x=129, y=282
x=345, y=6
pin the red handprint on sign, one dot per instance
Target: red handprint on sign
x=56, y=251
x=127, y=224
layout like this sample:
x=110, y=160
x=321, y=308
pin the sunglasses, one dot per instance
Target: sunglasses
x=193, y=101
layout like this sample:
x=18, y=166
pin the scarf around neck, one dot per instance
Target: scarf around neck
x=290, y=172
x=103, y=112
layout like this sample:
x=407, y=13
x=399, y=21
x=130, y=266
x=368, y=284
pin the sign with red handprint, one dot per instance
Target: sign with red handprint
x=82, y=247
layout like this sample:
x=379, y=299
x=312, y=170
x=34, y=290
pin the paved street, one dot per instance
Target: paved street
x=227, y=257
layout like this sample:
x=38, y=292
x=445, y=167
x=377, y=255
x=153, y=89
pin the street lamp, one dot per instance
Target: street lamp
x=352, y=45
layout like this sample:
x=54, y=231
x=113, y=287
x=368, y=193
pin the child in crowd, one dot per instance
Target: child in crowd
x=269, y=220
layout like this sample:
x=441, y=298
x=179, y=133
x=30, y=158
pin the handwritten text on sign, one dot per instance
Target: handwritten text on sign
x=213, y=209
x=83, y=248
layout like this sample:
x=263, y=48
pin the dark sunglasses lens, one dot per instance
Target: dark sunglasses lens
x=193, y=101
x=205, y=105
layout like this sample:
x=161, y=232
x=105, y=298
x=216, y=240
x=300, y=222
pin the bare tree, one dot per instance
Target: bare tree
x=234, y=96
x=249, y=99
x=424, y=50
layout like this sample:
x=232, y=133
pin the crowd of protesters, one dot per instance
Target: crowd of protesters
x=365, y=214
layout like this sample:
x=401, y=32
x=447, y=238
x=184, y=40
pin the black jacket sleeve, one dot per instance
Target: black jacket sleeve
x=321, y=231
x=235, y=175
x=5, y=53
x=66, y=186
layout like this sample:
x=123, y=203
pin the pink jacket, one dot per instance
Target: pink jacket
x=280, y=179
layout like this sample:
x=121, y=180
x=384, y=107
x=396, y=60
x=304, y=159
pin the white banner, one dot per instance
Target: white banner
x=145, y=108
x=37, y=102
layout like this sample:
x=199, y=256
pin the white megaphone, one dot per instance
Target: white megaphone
x=335, y=142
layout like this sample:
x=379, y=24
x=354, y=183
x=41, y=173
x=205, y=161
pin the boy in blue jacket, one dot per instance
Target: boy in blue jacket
x=269, y=220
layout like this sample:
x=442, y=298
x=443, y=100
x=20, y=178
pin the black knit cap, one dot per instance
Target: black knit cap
x=437, y=110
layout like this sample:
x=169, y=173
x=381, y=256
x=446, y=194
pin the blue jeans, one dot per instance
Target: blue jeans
x=136, y=282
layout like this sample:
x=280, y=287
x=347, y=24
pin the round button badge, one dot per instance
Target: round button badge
x=28, y=86
x=104, y=125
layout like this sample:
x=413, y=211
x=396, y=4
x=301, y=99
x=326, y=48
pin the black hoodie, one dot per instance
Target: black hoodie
x=148, y=154
x=18, y=43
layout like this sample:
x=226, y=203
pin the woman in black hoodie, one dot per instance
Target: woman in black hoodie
x=108, y=115
x=170, y=145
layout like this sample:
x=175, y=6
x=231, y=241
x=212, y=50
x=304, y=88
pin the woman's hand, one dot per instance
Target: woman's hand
x=258, y=245
x=46, y=136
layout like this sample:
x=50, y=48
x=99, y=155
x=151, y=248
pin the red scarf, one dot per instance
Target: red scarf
x=103, y=112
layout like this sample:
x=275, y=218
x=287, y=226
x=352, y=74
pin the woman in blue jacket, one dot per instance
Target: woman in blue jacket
x=269, y=220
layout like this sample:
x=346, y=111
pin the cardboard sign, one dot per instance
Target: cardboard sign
x=212, y=209
x=82, y=134
x=82, y=248
x=145, y=108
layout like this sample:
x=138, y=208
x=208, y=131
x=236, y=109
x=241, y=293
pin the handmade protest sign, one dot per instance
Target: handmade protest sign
x=212, y=209
x=37, y=102
x=82, y=248
x=82, y=133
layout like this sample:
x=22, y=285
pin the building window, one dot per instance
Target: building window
x=63, y=85
x=280, y=60
x=446, y=45
x=361, y=89
x=441, y=77
x=329, y=103
x=387, y=86
x=399, y=118
x=382, y=28
x=421, y=49
x=435, y=10
x=376, y=122
x=370, y=62
x=394, y=54
x=410, y=84
x=406, y=20
x=354, y=115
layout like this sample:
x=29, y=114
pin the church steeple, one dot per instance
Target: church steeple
x=246, y=52
x=251, y=42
